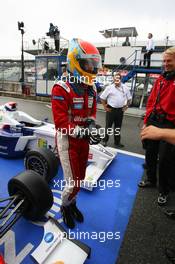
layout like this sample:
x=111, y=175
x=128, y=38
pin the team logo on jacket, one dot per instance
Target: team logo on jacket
x=79, y=119
x=78, y=106
x=61, y=98
x=90, y=101
x=78, y=100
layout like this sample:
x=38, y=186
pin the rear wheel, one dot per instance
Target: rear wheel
x=35, y=191
x=43, y=161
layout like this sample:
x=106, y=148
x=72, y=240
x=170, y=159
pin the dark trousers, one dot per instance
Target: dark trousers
x=147, y=58
x=166, y=168
x=114, y=117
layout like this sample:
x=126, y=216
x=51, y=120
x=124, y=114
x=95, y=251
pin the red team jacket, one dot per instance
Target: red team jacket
x=166, y=103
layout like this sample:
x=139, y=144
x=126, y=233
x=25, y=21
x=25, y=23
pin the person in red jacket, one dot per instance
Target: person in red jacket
x=160, y=112
x=74, y=113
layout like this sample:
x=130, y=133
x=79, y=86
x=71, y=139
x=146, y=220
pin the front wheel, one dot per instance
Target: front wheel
x=43, y=161
x=38, y=197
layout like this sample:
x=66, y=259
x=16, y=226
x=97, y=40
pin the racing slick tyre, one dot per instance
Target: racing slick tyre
x=43, y=161
x=38, y=197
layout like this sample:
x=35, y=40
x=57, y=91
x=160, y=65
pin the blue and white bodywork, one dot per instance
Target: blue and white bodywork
x=20, y=132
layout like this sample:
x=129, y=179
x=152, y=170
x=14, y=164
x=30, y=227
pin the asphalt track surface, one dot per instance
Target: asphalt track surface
x=149, y=231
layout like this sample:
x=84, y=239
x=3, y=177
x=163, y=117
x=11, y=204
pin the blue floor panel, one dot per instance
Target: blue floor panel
x=106, y=209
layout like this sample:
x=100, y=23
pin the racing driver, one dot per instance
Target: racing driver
x=74, y=113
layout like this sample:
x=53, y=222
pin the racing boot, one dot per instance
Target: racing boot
x=67, y=217
x=77, y=215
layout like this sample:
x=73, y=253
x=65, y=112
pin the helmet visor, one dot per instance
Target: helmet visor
x=90, y=64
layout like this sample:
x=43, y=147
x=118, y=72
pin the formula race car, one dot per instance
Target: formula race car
x=22, y=135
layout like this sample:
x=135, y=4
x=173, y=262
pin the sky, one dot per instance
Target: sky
x=84, y=19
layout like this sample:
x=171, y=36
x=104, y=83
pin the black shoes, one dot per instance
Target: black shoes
x=69, y=213
x=146, y=184
x=67, y=217
x=119, y=145
x=104, y=143
x=77, y=215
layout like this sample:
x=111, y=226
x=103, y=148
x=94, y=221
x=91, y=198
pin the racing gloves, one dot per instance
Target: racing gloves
x=92, y=132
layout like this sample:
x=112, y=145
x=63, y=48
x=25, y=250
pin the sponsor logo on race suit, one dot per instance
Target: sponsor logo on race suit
x=90, y=101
